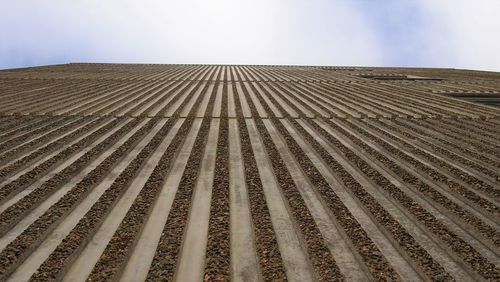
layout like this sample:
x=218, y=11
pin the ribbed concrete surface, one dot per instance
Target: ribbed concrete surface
x=247, y=173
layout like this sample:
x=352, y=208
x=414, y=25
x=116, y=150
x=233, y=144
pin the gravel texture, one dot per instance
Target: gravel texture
x=376, y=262
x=55, y=123
x=31, y=237
x=463, y=155
x=265, y=238
x=44, y=139
x=42, y=169
x=464, y=176
x=17, y=211
x=436, y=175
x=319, y=254
x=217, y=265
x=84, y=133
x=19, y=125
x=458, y=245
x=112, y=260
x=465, y=138
x=54, y=265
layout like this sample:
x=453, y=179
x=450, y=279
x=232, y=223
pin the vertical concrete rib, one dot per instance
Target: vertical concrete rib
x=244, y=263
x=192, y=257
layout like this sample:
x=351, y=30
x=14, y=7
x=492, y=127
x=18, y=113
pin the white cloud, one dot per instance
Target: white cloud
x=189, y=31
x=433, y=33
x=461, y=33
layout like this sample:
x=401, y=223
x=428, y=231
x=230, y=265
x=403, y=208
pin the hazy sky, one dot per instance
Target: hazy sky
x=430, y=33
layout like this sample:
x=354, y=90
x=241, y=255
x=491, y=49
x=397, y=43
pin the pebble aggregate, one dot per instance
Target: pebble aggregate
x=86, y=132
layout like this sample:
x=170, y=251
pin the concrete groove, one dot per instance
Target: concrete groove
x=248, y=173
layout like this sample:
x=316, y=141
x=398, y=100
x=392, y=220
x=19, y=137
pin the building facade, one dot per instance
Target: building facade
x=248, y=173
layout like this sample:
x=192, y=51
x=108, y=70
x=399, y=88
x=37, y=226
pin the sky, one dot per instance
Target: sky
x=419, y=33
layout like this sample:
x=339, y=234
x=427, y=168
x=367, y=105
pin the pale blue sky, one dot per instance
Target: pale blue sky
x=426, y=33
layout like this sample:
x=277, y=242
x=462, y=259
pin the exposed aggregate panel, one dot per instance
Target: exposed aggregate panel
x=247, y=173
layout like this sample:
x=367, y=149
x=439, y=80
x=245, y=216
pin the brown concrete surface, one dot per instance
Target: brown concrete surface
x=248, y=173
